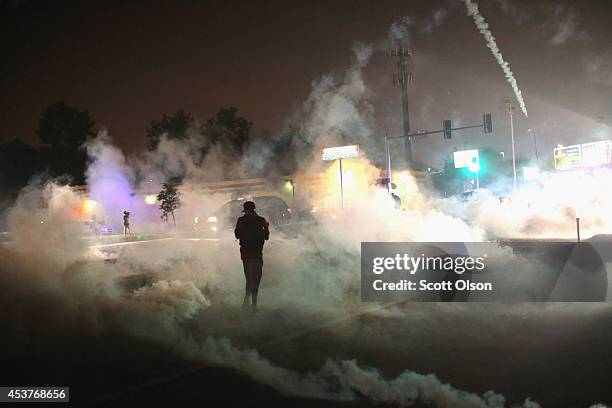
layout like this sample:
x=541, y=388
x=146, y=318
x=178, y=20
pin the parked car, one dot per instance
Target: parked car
x=273, y=208
x=96, y=228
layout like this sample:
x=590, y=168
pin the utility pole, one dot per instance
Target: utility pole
x=403, y=78
x=535, y=144
x=510, y=108
x=447, y=131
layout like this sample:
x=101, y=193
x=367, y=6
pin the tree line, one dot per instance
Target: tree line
x=63, y=129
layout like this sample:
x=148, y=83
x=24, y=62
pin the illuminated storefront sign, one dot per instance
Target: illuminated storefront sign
x=341, y=152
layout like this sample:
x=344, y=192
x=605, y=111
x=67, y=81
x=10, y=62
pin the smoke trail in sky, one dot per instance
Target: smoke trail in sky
x=483, y=27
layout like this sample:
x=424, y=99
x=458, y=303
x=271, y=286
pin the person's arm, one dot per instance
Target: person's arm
x=237, y=230
x=266, y=228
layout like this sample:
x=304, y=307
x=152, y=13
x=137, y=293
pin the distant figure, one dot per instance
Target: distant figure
x=252, y=231
x=126, y=223
x=397, y=202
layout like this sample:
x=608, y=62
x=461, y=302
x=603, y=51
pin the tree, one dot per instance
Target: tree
x=18, y=163
x=64, y=127
x=169, y=199
x=174, y=126
x=62, y=130
x=228, y=129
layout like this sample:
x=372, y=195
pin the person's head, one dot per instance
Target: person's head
x=248, y=207
x=126, y=213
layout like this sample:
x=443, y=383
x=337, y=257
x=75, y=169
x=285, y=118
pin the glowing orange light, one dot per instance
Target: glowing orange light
x=89, y=205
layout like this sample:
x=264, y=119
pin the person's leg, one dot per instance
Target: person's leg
x=256, y=275
x=247, y=288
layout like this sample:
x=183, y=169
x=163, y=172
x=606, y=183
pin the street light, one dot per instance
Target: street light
x=535, y=144
x=474, y=167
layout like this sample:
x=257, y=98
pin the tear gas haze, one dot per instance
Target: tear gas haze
x=173, y=293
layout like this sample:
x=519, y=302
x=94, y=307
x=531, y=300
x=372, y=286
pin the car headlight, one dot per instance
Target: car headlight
x=212, y=219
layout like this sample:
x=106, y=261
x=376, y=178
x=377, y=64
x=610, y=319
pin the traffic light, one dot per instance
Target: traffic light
x=487, y=123
x=474, y=165
x=446, y=125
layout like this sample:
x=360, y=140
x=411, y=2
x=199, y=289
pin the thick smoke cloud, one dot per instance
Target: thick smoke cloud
x=193, y=282
x=82, y=297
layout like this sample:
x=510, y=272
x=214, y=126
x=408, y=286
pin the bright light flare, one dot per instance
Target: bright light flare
x=89, y=206
x=150, y=199
x=549, y=208
x=357, y=177
x=531, y=173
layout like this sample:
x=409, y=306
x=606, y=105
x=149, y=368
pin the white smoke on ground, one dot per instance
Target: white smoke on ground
x=547, y=209
x=45, y=230
x=346, y=380
x=483, y=27
x=82, y=297
x=86, y=297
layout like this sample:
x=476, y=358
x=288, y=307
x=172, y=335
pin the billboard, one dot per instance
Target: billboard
x=341, y=152
x=583, y=155
x=465, y=158
x=595, y=153
x=567, y=157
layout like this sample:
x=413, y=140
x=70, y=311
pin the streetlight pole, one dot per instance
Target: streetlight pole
x=535, y=144
x=403, y=78
x=511, y=113
x=293, y=192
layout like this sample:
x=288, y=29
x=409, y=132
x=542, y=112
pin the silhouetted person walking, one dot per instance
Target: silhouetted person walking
x=126, y=223
x=397, y=202
x=252, y=231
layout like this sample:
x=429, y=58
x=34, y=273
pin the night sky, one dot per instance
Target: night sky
x=130, y=62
